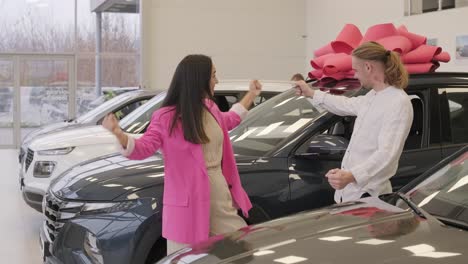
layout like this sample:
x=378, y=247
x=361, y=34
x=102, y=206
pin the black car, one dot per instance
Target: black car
x=425, y=222
x=109, y=210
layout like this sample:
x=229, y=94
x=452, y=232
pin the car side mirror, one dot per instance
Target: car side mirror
x=326, y=147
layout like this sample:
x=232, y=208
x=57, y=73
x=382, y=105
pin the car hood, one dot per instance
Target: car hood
x=82, y=136
x=366, y=231
x=51, y=128
x=111, y=177
x=107, y=178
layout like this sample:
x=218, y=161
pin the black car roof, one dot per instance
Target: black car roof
x=448, y=78
x=416, y=81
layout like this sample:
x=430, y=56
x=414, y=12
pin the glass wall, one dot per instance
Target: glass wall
x=119, y=56
x=6, y=101
x=44, y=92
x=45, y=26
x=47, y=86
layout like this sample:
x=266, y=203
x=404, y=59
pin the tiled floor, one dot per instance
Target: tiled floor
x=19, y=224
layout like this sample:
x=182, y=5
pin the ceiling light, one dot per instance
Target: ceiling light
x=263, y=252
x=375, y=242
x=428, y=199
x=42, y=5
x=460, y=183
x=290, y=260
x=335, y=238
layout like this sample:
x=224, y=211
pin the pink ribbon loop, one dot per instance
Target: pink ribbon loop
x=333, y=61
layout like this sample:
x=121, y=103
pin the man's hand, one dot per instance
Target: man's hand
x=302, y=88
x=338, y=178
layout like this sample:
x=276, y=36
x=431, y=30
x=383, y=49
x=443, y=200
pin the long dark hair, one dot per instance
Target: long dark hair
x=190, y=86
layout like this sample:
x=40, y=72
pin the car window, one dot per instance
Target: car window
x=128, y=108
x=344, y=127
x=224, y=101
x=445, y=192
x=454, y=111
x=100, y=105
x=232, y=99
x=415, y=135
x=137, y=121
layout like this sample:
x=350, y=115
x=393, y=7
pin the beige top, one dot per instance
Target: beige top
x=223, y=214
x=212, y=151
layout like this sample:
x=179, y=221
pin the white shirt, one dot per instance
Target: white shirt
x=382, y=125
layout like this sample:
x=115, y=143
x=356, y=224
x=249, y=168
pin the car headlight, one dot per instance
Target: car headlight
x=57, y=151
x=90, y=245
x=100, y=208
x=43, y=169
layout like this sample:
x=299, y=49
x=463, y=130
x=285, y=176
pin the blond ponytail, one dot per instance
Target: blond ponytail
x=395, y=72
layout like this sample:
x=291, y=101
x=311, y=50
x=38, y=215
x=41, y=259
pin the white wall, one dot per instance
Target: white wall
x=325, y=19
x=246, y=39
x=444, y=25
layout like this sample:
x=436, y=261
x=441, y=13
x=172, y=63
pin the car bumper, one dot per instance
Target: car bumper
x=33, y=197
x=45, y=245
x=122, y=237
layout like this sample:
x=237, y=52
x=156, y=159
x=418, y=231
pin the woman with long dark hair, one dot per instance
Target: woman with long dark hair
x=202, y=188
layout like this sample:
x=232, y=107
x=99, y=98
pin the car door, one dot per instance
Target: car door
x=422, y=147
x=454, y=112
x=307, y=168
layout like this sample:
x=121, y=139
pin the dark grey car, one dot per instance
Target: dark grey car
x=110, y=209
x=426, y=222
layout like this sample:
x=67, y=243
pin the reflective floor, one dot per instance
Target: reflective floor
x=19, y=224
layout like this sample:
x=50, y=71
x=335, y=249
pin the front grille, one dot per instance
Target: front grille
x=54, y=209
x=29, y=159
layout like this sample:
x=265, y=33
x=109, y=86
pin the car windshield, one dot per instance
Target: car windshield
x=444, y=194
x=272, y=122
x=277, y=119
x=137, y=121
x=100, y=105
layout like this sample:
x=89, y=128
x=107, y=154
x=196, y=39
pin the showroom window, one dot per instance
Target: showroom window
x=415, y=7
x=119, y=56
x=45, y=26
x=454, y=115
x=48, y=60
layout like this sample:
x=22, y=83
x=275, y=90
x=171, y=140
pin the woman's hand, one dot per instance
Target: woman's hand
x=255, y=87
x=302, y=88
x=111, y=123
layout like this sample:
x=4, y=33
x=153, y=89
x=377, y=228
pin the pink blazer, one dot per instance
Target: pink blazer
x=186, y=201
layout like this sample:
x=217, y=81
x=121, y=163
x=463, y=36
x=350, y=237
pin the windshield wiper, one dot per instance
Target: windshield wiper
x=412, y=205
x=452, y=222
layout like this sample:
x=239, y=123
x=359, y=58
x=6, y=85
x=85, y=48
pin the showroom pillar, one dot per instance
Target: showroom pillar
x=98, y=53
x=146, y=45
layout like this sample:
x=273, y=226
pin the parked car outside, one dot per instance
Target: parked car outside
x=425, y=222
x=283, y=150
x=121, y=105
x=50, y=155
